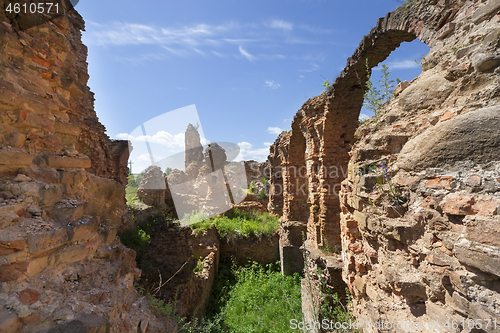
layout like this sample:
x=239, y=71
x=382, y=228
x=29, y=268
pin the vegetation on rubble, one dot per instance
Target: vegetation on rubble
x=332, y=308
x=237, y=223
x=326, y=84
x=138, y=238
x=330, y=249
x=326, y=304
x=251, y=187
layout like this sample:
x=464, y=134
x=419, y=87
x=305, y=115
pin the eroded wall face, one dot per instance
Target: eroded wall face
x=423, y=179
x=46, y=107
x=62, y=192
x=410, y=248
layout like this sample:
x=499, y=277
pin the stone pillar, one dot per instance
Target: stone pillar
x=193, y=158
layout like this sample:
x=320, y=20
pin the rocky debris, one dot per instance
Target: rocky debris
x=152, y=187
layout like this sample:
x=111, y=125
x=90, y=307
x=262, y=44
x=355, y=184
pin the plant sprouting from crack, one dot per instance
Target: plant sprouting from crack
x=384, y=182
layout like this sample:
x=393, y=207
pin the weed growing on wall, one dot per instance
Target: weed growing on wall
x=384, y=182
x=386, y=84
x=332, y=308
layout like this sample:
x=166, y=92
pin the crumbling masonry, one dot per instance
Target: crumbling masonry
x=420, y=260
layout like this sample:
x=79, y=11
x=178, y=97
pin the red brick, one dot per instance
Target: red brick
x=29, y=296
x=42, y=62
x=407, y=181
x=16, y=245
x=439, y=182
x=458, y=204
x=486, y=207
x=13, y=272
x=33, y=318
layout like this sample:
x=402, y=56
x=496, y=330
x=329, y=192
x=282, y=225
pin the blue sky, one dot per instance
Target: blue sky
x=246, y=66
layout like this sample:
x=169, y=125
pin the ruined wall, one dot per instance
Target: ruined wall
x=381, y=241
x=181, y=249
x=61, y=190
x=423, y=246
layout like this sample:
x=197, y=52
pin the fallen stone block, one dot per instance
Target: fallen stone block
x=484, y=11
x=81, y=231
x=88, y=323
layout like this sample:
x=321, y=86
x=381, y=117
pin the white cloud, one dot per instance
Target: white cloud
x=247, y=55
x=134, y=34
x=363, y=117
x=247, y=153
x=402, y=64
x=245, y=145
x=271, y=84
x=274, y=130
x=205, y=39
x=163, y=138
x=147, y=157
x=280, y=24
x=314, y=67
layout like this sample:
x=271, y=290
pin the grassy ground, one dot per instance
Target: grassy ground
x=252, y=299
x=238, y=223
x=131, y=189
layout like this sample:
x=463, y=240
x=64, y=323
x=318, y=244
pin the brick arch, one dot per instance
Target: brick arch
x=328, y=122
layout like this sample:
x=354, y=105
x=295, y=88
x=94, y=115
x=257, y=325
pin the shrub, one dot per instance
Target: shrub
x=251, y=187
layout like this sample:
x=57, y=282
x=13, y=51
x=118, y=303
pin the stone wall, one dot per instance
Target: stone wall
x=62, y=192
x=411, y=248
x=175, y=270
x=47, y=108
x=411, y=254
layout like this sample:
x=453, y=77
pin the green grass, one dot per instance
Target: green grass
x=262, y=300
x=131, y=189
x=251, y=299
x=241, y=224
